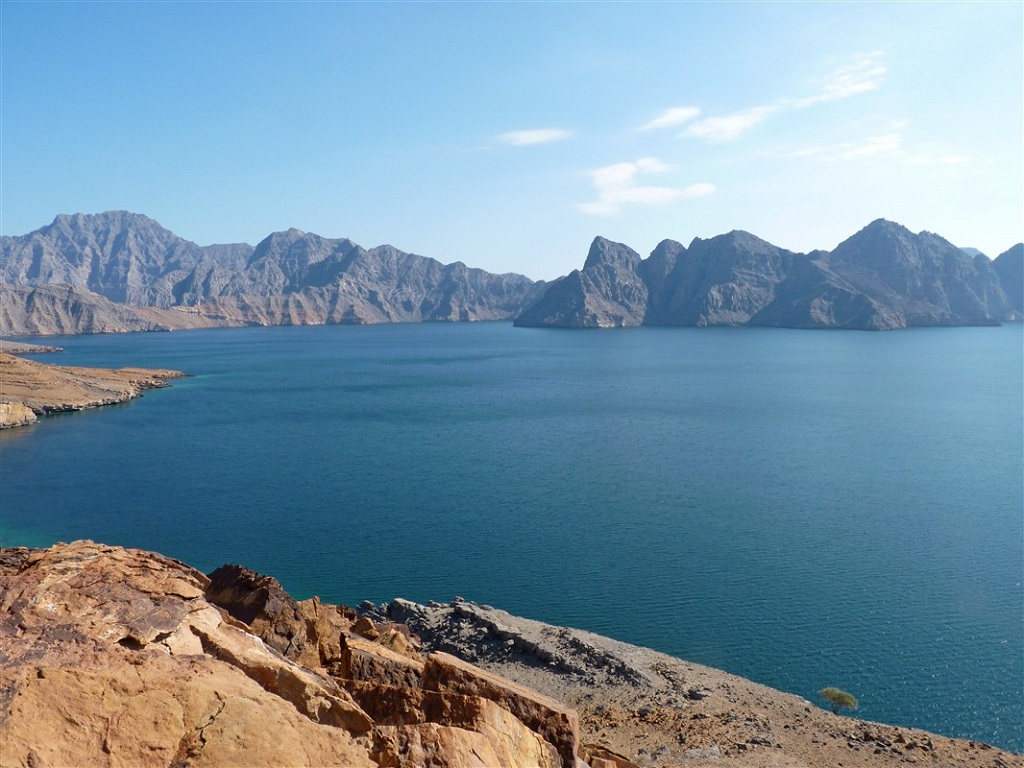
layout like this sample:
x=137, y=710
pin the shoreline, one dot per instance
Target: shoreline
x=30, y=390
x=23, y=348
x=379, y=682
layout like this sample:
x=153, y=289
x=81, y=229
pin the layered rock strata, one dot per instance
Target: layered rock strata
x=29, y=389
x=116, y=657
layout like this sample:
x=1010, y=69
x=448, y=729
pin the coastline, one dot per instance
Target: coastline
x=30, y=390
x=197, y=669
x=21, y=348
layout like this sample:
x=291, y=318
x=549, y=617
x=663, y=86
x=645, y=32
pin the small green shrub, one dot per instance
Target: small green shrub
x=838, y=699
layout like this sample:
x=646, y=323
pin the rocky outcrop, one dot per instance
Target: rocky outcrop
x=15, y=414
x=119, y=271
x=21, y=348
x=116, y=657
x=62, y=309
x=43, y=389
x=606, y=293
x=726, y=280
x=122, y=657
x=884, y=277
x=307, y=632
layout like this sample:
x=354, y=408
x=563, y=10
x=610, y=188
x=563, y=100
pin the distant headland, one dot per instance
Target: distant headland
x=29, y=389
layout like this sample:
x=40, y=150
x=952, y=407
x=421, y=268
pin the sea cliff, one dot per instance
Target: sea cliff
x=117, y=656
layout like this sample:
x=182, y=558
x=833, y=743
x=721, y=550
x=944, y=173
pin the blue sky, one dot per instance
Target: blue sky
x=508, y=135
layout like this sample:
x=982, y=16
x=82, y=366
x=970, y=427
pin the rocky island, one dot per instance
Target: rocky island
x=123, y=657
x=29, y=389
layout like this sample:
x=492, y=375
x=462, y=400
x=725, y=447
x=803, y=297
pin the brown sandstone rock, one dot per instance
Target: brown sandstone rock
x=599, y=757
x=366, y=628
x=113, y=657
x=324, y=626
x=557, y=724
x=16, y=415
x=366, y=661
x=260, y=603
x=116, y=657
x=307, y=632
x=498, y=738
x=400, y=641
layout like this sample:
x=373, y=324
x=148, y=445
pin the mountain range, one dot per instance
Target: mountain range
x=883, y=277
x=121, y=271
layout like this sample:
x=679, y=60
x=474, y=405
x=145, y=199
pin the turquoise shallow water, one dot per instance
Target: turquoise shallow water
x=801, y=508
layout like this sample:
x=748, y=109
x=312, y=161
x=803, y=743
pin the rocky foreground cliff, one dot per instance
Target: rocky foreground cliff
x=118, y=657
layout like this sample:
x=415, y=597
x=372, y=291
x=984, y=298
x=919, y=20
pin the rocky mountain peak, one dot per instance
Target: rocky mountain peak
x=879, y=235
x=105, y=220
x=883, y=277
x=605, y=252
x=737, y=240
x=667, y=248
x=88, y=227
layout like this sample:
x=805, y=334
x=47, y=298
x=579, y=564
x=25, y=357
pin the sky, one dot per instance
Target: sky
x=508, y=135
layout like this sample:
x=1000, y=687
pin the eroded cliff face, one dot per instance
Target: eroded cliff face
x=117, y=657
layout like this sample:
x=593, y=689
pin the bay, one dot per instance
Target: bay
x=806, y=509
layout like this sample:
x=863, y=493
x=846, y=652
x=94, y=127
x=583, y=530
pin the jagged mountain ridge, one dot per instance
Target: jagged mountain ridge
x=120, y=271
x=883, y=277
x=125, y=257
x=123, y=271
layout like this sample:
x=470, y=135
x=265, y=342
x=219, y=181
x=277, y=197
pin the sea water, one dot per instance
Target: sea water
x=803, y=508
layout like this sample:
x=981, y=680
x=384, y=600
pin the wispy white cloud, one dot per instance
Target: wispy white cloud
x=872, y=146
x=534, y=136
x=887, y=145
x=616, y=185
x=671, y=117
x=730, y=127
x=865, y=72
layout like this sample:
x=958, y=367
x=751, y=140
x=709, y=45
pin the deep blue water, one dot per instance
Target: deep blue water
x=802, y=508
